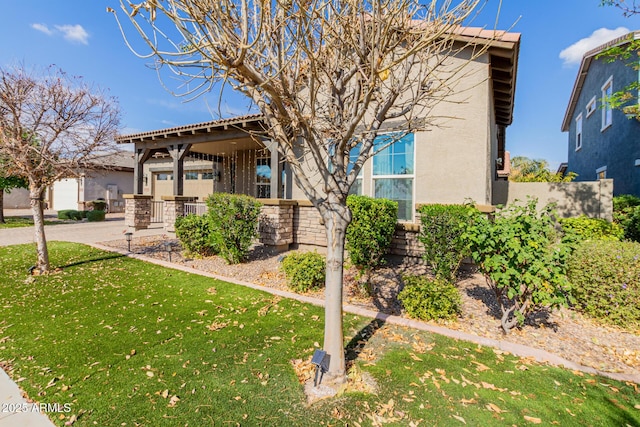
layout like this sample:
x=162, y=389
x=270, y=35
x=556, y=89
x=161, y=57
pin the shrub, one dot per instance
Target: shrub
x=93, y=216
x=69, y=214
x=626, y=212
x=520, y=256
x=304, y=270
x=584, y=228
x=429, y=299
x=234, y=224
x=373, y=222
x=97, y=205
x=194, y=233
x=441, y=234
x=605, y=278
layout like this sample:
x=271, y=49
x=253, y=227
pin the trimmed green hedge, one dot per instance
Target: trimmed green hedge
x=70, y=214
x=234, y=224
x=373, y=222
x=584, y=228
x=441, y=234
x=606, y=281
x=194, y=233
x=430, y=299
x=304, y=270
x=94, y=216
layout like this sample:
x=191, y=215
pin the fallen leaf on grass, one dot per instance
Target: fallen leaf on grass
x=459, y=419
x=173, y=401
x=494, y=408
x=216, y=326
x=533, y=419
x=480, y=367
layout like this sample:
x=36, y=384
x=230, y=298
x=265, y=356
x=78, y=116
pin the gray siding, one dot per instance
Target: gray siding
x=616, y=147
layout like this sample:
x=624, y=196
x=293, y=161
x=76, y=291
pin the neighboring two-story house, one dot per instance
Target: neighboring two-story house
x=603, y=142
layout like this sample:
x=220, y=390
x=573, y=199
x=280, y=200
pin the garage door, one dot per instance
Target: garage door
x=65, y=194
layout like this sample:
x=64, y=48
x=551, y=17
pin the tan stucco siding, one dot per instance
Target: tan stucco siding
x=452, y=159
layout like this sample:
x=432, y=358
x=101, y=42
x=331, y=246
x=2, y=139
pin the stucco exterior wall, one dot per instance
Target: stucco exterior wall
x=616, y=148
x=454, y=155
x=96, y=184
x=17, y=199
x=593, y=199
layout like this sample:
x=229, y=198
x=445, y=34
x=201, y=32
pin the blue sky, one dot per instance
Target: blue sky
x=82, y=38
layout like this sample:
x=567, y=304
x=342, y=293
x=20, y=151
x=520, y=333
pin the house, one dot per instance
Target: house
x=109, y=178
x=462, y=158
x=603, y=142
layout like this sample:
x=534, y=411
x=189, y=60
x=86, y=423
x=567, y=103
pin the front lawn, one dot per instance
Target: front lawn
x=19, y=221
x=127, y=343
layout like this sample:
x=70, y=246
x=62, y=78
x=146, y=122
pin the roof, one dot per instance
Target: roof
x=587, y=59
x=503, y=50
x=192, y=129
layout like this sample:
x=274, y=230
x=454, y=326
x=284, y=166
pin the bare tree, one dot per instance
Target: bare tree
x=52, y=124
x=327, y=75
x=628, y=7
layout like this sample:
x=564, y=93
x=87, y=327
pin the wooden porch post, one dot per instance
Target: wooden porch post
x=178, y=153
x=276, y=169
x=141, y=156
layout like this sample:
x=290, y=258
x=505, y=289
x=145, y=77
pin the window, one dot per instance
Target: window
x=263, y=175
x=207, y=175
x=190, y=176
x=393, y=172
x=601, y=173
x=607, y=113
x=579, y=132
x=591, y=106
x=356, y=188
x=164, y=176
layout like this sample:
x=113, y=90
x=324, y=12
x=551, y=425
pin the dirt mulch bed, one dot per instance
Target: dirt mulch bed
x=565, y=332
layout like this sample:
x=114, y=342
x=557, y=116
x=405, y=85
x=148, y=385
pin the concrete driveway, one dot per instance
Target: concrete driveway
x=112, y=228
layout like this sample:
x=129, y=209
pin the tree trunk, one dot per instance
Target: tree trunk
x=336, y=218
x=1, y=206
x=35, y=195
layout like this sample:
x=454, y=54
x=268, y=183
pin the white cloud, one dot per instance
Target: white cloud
x=74, y=33
x=42, y=28
x=574, y=53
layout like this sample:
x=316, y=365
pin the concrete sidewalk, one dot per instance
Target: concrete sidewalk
x=14, y=409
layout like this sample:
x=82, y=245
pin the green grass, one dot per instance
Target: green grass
x=18, y=221
x=117, y=338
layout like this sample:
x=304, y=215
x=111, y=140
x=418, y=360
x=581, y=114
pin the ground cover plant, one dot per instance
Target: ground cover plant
x=130, y=343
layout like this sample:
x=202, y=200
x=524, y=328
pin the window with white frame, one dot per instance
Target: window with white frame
x=579, y=132
x=393, y=172
x=591, y=106
x=607, y=112
x=263, y=174
x=601, y=173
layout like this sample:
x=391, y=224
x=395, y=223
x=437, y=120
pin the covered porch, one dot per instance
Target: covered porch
x=228, y=155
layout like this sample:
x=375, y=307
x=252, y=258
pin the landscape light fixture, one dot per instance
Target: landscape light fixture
x=321, y=361
x=168, y=248
x=128, y=235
